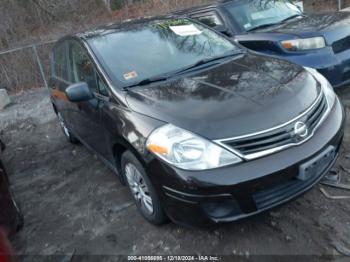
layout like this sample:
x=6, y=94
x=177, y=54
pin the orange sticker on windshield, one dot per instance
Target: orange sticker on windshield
x=130, y=75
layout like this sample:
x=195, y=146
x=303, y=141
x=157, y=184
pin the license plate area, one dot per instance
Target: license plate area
x=317, y=165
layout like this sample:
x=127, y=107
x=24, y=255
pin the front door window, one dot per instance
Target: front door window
x=82, y=68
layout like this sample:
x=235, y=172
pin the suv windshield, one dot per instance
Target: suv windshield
x=254, y=14
x=139, y=52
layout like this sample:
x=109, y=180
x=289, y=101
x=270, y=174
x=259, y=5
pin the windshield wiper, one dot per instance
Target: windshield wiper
x=263, y=26
x=148, y=81
x=165, y=77
x=272, y=24
x=291, y=17
x=204, y=62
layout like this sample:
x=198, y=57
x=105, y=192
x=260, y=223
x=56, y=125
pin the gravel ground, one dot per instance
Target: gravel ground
x=73, y=204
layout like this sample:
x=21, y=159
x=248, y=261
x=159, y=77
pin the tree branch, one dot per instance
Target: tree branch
x=35, y=2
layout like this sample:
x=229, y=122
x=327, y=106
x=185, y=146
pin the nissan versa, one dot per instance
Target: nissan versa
x=278, y=28
x=200, y=130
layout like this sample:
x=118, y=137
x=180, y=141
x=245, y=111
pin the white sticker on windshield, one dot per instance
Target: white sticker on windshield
x=185, y=30
x=247, y=26
x=130, y=75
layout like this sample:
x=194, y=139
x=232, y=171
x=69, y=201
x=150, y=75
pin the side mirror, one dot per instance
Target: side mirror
x=79, y=92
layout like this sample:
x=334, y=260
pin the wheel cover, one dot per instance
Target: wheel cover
x=139, y=188
x=63, y=125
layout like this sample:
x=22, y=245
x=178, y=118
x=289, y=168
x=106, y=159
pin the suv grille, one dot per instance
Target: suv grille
x=263, y=143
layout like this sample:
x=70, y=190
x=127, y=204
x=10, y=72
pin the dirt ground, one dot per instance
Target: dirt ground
x=73, y=204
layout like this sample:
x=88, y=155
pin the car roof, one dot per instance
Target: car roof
x=98, y=31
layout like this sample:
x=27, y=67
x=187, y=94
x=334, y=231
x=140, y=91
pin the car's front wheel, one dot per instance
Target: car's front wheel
x=67, y=133
x=146, y=198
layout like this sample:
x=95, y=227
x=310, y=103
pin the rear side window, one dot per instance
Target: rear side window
x=209, y=19
x=60, y=61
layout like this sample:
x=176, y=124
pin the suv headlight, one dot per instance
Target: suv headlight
x=188, y=151
x=326, y=86
x=304, y=44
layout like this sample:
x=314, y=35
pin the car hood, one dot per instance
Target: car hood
x=247, y=94
x=312, y=23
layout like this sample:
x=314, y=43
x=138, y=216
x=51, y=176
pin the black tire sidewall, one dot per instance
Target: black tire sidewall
x=158, y=217
x=71, y=138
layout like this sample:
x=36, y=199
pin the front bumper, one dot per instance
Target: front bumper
x=231, y=193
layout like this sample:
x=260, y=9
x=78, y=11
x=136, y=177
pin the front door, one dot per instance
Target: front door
x=87, y=119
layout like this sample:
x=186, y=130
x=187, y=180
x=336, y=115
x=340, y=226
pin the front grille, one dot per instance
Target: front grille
x=283, y=136
x=341, y=45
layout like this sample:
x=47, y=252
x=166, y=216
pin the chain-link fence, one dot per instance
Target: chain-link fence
x=25, y=67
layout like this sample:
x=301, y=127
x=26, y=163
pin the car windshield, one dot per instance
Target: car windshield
x=142, y=51
x=254, y=14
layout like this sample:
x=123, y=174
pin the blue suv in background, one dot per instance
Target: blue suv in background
x=281, y=29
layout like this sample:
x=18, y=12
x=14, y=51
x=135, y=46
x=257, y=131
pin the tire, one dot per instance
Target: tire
x=67, y=133
x=144, y=193
x=19, y=216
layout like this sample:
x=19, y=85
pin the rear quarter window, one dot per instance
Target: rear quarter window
x=211, y=20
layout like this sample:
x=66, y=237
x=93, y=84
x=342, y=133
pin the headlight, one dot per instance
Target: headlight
x=304, y=44
x=188, y=151
x=326, y=86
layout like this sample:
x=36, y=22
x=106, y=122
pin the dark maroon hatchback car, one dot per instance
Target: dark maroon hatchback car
x=201, y=130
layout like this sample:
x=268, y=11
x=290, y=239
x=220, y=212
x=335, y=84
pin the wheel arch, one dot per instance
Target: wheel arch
x=54, y=108
x=119, y=148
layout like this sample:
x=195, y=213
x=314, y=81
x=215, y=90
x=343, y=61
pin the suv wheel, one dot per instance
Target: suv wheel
x=145, y=196
x=67, y=133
